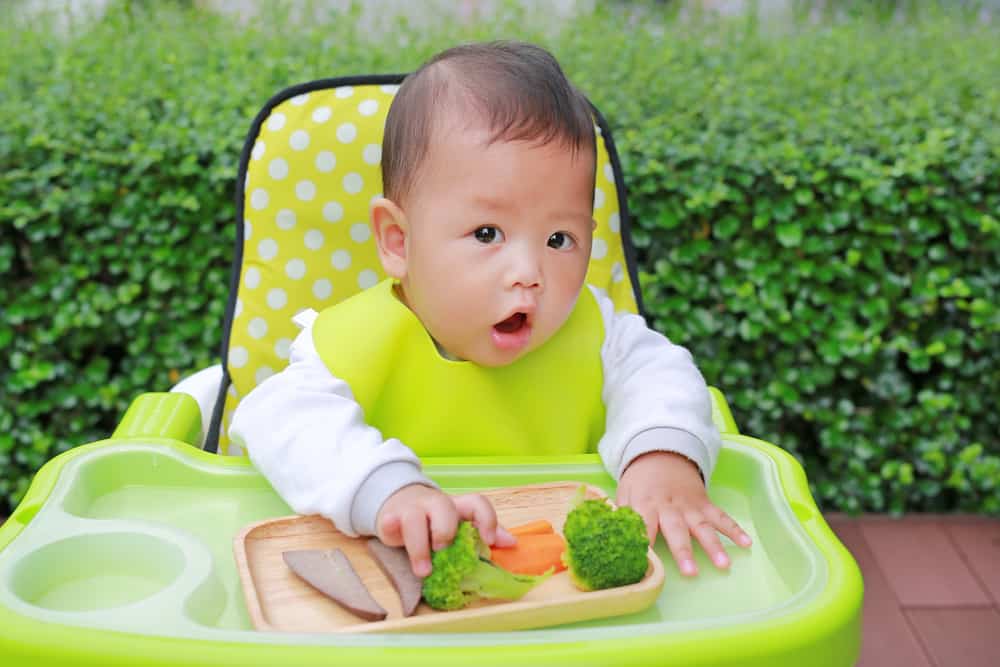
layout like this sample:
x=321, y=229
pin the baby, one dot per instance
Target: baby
x=484, y=338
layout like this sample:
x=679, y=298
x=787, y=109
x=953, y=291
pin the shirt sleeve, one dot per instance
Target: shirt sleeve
x=655, y=397
x=305, y=432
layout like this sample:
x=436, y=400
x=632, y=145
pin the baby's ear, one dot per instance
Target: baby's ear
x=390, y=228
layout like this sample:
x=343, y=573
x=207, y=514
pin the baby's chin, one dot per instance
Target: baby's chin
x=494, y=357
x=495, y=361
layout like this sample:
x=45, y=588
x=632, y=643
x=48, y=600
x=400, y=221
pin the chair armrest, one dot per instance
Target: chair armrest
x=161, y=415
x=203, y=387
x=721, y=414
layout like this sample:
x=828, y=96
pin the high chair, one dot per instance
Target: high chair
x=121, y=551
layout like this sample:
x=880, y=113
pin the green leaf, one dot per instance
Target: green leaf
x=789, y=234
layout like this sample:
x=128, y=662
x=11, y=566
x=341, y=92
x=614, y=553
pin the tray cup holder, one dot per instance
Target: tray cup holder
x=87, y=573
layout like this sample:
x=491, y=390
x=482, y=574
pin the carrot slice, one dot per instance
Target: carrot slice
x=536, y=527
x=533, y=554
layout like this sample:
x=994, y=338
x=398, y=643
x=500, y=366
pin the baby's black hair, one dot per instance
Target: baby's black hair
x=518, y=89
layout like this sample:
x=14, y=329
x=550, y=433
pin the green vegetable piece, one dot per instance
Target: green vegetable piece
x=605, y=547
x=462, y=573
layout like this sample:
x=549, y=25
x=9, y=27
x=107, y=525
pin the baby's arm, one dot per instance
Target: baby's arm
x=660, y=443
x=306, y=434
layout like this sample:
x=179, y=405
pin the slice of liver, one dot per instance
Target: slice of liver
x=396, y=566
x=329, y=571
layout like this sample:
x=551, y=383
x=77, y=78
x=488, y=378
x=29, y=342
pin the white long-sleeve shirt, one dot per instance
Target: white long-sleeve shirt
x=304, y=431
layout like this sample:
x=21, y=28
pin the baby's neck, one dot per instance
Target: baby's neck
x=443, y=352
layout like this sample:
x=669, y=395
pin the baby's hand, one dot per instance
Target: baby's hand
x=667, y=491
x=419, y=518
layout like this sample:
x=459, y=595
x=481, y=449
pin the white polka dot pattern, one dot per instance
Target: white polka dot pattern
x=372, y=154
x=325, y=161
x=307, y=240
x=299, y=140
x=333, y=211
x=252, y=277
x=314, y=239
x=360, y=232
x=276, y=298
x=267, y=249
x=322, y=289
x=346, y=133
x=276, y=122
x=285, y=219
x=599, y=249
x=322, y=114
x=305, y=190
x=353, y=183
x=341, y=259
x=295, y=269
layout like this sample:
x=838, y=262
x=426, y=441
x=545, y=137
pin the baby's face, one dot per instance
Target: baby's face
x=498, y=245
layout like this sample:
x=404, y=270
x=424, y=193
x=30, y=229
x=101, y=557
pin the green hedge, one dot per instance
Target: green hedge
x=818, y=220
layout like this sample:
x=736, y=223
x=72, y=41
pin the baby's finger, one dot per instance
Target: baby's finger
x=727, y=526
x=675, y=532
x=652, y=520
x=444, y=520
x=504, y=538
x=622, y=496
x=704, y=531
x=475, y=508
x=390, y=531
x=415, y=540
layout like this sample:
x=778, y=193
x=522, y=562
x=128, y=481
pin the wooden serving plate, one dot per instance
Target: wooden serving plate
x=278, y=600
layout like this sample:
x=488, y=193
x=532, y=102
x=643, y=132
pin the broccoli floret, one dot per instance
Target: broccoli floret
x=605, y=547
x=462, y=573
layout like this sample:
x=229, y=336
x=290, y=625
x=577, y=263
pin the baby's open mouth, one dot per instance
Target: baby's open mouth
x=513, y=333
x=512, y=324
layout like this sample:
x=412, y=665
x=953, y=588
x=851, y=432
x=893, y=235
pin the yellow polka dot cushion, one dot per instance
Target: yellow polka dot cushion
x=308, y=171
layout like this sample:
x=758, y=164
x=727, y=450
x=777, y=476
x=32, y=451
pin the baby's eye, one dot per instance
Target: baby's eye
x=561, y=241
x=488, y=234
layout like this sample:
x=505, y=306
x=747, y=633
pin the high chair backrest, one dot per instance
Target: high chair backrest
x=309, y=169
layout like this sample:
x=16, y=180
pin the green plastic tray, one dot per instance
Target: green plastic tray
x=121, y=553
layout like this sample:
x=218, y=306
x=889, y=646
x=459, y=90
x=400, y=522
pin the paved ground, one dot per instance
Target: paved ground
x=932, y=589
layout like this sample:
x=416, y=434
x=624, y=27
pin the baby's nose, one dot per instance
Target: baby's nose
x=526, y=272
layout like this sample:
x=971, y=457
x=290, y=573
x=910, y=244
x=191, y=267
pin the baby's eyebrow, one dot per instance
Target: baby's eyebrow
x=493, y=204
x=583, y=218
